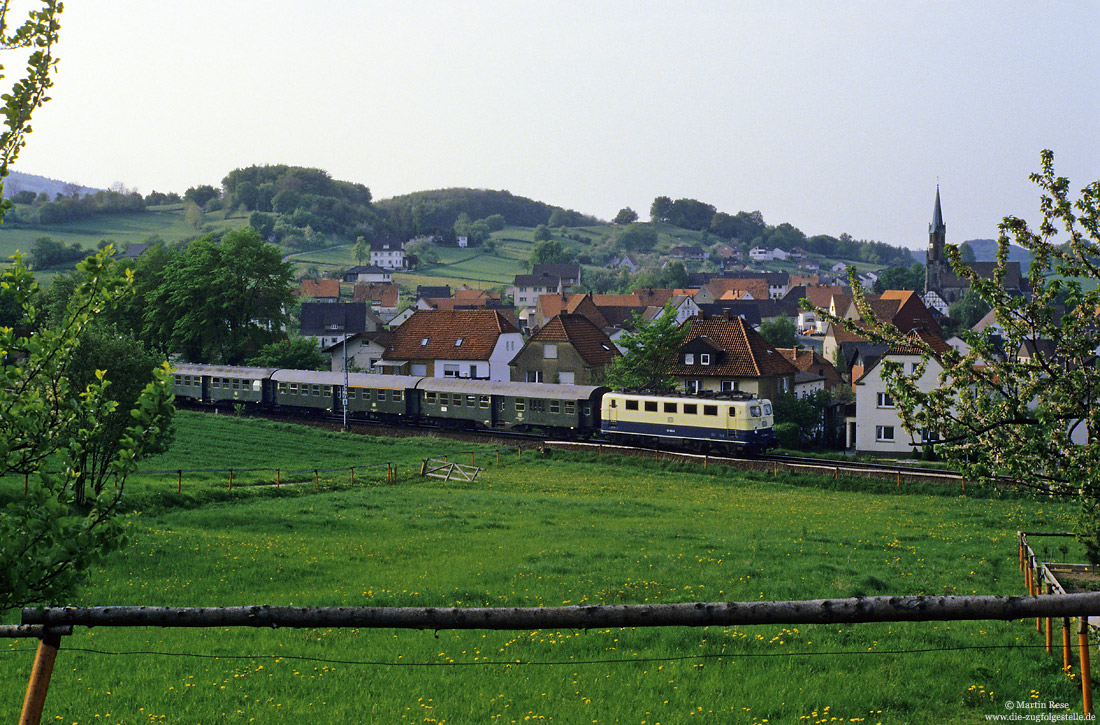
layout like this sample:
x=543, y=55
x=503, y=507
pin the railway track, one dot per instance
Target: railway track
x=775, y=464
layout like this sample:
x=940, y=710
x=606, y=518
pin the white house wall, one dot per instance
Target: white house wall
x=870, y=416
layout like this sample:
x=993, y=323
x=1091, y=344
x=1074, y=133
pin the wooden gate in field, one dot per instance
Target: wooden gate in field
x=449, y=470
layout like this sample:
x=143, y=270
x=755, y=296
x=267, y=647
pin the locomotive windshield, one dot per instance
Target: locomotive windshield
x=767, y=409
x=754, y=411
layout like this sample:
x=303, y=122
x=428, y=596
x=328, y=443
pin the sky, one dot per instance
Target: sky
x=833, y=116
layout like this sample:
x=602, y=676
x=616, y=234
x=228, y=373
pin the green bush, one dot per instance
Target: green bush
x=786, y=434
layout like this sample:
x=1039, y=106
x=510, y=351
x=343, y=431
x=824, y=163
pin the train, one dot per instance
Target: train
x=721, y=422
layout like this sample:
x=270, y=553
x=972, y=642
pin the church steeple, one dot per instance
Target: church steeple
x=936, y=263
x=937, y=226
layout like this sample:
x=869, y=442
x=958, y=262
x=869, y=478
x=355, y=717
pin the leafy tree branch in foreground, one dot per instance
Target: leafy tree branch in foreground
x=1024, y=402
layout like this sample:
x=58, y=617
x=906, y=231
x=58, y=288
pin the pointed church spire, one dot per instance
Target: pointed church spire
x=937, y=225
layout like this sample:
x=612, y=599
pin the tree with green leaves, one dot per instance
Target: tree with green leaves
x=626, y=215
x=649, y=352
x=968, y=311
x=901, y=278
x=549, y=252
x=54, y=422
x=296, y=353
x=660, y=209
x=1026, y=408
x=778, y=331
x=219, y=300
x=542, y=233
x=361, y=249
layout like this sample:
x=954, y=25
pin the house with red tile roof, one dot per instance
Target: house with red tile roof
x=550, y=306
x=723, y=354
x=383, y=297
x=810, y=361
x=904, y=309
x=320, y=290
x=453, y=343
x=567, y=349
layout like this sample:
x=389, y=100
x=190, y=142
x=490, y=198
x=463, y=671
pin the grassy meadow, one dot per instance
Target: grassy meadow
x=541, y=530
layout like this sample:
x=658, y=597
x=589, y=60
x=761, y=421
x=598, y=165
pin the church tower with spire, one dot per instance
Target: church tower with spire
x=936, y=263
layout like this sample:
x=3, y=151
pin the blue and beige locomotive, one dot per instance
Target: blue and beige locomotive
x=720, y=422
x=723, y=422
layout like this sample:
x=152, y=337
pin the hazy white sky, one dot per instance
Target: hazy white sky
x=834, y=116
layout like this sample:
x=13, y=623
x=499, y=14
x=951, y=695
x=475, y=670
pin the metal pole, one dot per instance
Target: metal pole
x=344, y=404
x=1050, y=590
x=39, y=684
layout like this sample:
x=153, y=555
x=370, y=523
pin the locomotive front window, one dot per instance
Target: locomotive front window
x=710, y=410
x=754, y=411
x=767, y=409
x=651, y=406
x=631, y=404
x=691, y=409
x=670, y=407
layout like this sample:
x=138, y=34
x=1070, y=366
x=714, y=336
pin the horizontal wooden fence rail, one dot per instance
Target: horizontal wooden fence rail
x=694, y=614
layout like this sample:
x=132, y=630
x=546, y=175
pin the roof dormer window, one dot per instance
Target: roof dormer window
x=424, y=341
x=458, y=342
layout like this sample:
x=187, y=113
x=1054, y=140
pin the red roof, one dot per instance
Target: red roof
x=589, y=341
x=448, y=335
x=748, y=354
x=321, y=288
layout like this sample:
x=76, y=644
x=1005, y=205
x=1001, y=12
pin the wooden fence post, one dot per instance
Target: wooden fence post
x=316, y=480
x=39, y=683
x=179, y=481
x=498, y=456
x=1050, y=590
x=424, y=467
x=519, y=453
x=352, y=480
x=1065, y=644
x=230, y=479
x=26, y=483
x=1037, y=585
x=278, y=477
x=1086, y=672
x=472, y=459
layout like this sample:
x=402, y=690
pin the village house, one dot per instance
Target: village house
x=567, y=349
x=723, y=354
x=367, y=273
x=363, y=354
x=876, y=426
x=382, y=297
x=387, y=254
x=330, y=322
x=320, y=290
x=457, y=343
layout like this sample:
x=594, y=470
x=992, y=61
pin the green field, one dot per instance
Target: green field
x=165, y=222
x=537, y=531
